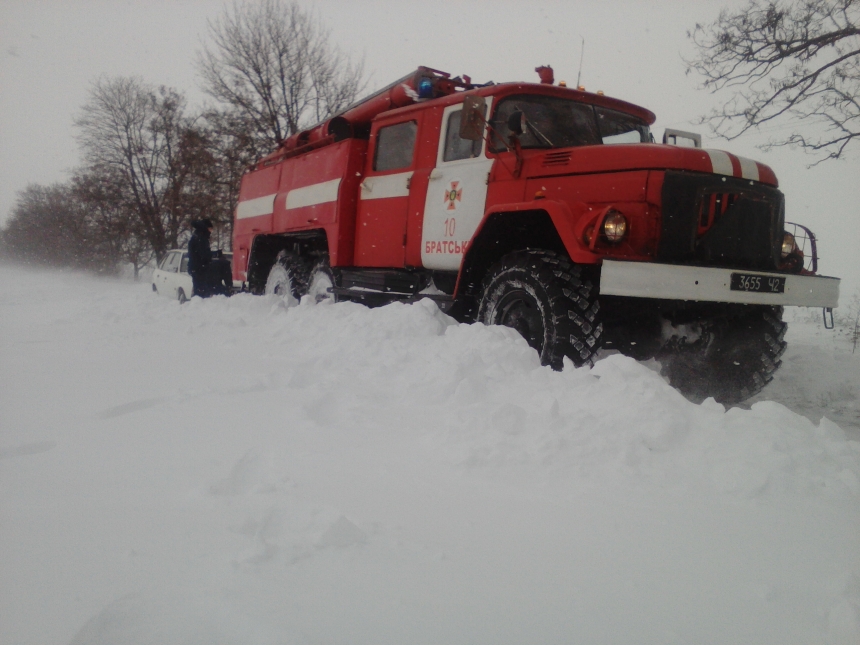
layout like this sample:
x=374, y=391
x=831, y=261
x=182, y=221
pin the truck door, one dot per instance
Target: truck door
x=380, y=235
x=456, y=195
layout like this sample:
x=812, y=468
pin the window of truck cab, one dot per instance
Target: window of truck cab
x=618, y=127
x=457, y=148
x=555, y=122
x=395, y=146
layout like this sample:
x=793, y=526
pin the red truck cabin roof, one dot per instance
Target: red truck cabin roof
x=503, y=90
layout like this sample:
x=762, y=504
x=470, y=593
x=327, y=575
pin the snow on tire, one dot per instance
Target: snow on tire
x=320, y=281
x=549, y=300
x=732, y=359
x=286, y=279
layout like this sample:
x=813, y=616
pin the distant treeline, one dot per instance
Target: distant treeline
x=150, y=164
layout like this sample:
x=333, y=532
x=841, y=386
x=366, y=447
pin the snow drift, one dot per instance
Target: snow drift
x=238, y=471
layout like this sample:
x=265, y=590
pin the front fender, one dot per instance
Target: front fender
x=539, y=224
x=569, y=220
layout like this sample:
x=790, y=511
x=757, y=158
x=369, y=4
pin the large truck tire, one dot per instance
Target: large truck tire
x=549, y=300
x=732, y=358
x=321, y=279
x=287, y=278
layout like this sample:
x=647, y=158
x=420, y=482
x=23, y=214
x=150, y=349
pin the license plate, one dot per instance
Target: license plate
x=757, y=283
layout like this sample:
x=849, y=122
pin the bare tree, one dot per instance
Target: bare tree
x=49, y=227
x=116, y=227
x=796, y=62
x=272, y=67
x=230, y=149
x=138, y=137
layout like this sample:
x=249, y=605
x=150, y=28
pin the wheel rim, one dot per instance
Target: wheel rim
x=520, y=311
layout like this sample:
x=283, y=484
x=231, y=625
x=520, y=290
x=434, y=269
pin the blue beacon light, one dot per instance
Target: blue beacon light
x=425, y=88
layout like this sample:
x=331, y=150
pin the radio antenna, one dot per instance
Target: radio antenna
x=581, y=54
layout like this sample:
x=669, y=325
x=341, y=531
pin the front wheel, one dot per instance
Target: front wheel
x=549, y=300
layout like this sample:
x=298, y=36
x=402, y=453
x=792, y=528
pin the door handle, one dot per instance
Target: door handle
x=435, y=174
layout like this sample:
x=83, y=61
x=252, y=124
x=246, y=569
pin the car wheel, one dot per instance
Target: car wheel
x=181, y=296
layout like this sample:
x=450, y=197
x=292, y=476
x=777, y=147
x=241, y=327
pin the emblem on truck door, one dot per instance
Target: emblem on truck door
x=453, y=195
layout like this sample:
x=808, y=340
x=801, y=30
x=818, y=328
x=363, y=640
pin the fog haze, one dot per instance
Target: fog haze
x=50, y=52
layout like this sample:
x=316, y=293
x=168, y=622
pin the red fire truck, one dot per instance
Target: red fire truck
x=544, y=208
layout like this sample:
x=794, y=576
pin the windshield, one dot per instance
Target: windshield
x=553, y=122
x=618, y=127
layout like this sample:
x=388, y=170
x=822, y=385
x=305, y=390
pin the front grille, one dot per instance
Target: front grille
x=711, y=220
x=713, y=206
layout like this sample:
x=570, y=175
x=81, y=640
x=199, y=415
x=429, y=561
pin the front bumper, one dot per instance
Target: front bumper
x=711, y=284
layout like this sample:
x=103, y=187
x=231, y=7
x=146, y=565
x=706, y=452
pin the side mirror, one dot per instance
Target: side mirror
x=472, y=120
x=517, y=122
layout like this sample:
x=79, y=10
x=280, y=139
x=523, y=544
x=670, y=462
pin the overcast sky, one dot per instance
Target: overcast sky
x=50, y=51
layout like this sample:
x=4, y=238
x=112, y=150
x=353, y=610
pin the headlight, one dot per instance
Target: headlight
x=789, y=246
x=614, y=226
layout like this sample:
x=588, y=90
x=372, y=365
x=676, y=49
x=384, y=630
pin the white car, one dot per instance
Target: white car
x=171, y=278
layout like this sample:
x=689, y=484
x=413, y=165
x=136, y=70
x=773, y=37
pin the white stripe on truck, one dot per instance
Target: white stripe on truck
x=749, y=168
x=721, y=162
x=314, y=194
x=385, y=186
x=256, y=207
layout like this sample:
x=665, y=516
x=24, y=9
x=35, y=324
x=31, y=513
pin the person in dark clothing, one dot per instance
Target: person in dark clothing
x=200, y=257
x=209, y=276
x=220, y=275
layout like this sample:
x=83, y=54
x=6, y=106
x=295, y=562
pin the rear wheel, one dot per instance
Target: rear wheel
x=286, y=278
x=549, y=300
x=180, y=295
x=321, y=280
x=730, y=359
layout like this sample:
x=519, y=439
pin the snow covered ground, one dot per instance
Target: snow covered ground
x=235, y=471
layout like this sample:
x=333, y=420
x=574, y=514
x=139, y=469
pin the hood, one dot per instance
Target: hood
x=644, y=156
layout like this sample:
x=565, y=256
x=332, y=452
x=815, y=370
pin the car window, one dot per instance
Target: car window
x=183, y=268
x=455, y=147
x=395, y=145
x=164, y=262
x=172, y=262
